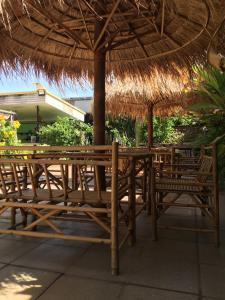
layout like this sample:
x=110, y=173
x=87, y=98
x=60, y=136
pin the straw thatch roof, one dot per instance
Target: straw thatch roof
x=58, y=36
x=132, y=98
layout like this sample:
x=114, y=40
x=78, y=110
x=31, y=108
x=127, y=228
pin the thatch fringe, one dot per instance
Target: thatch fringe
x=57, y=37
x=161, y=90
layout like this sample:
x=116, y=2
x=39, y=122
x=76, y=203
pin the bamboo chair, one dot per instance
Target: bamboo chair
x=48, y=203
x=201, y=186
x=190, y=160
x=7, y=185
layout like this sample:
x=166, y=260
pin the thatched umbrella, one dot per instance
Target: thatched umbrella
x=94, y=38
x=160, y=94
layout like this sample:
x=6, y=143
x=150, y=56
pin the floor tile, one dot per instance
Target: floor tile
x=210, y=254
x=213, y=281
x=95, y=263
x=170, y=249
x=137, y=269
x=163, y=273
x=74, y=288
x=142, y=293
x=207, y=298
x=23, y=284
x=12, y=249
x=50, y=257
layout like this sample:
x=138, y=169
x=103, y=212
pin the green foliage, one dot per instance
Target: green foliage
x=127, y=133
x=8, y=132
x=184, y=120
x=210, y=84
x=164, y=131
x=120, y=129
x=66, y=132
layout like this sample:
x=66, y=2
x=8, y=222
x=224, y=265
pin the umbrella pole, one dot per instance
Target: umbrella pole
x=150, y=126
x=99, y=98
x=99, y=83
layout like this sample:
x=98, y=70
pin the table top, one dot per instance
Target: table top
x=123, y=154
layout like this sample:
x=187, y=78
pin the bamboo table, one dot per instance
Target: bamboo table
x=143, y=159
x=139, y=162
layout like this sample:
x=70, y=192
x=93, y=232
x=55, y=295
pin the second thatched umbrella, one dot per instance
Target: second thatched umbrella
x=95, y=38
x=158, y=95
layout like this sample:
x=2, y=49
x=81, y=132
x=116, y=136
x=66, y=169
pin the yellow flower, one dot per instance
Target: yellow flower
x=2, y=117
x=11, y=133
x=16, y=124
x=5, y=135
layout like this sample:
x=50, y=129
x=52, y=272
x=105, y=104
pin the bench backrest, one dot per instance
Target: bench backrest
x=205, y=168
x=58, y=174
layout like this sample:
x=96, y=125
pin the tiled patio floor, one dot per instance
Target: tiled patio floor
x=181, y=265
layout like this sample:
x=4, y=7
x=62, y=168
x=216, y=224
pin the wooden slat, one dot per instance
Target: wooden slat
x=57, y=162
x=56, y=236
x=52, y=206
x=57, y=148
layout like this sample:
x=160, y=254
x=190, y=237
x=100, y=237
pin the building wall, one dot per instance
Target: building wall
x=84, y=103
x=24, y=98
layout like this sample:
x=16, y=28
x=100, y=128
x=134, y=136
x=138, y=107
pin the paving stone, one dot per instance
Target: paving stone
x=210, y=254
x=214, y=298
x=22, y=238
x=179, y=221
x=95, y=263
x=50, y=257
x=170, y=249
x=213, y=281
x=179, y=235
x=74, y=288
x=161, y=272
x=12, y=249
x=23, y=284
x=142, y=293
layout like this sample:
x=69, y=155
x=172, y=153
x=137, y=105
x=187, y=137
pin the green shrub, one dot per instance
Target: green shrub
x=164, y=131
x=66, y=132
x=121, y=129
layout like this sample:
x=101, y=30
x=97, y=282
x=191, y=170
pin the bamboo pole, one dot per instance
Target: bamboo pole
x=216, y=193
x=150, y=126
x=99, y=93
x=131, y=203
x=99, y=85
x=114, y=213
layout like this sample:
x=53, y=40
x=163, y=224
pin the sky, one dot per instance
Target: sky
x=15, y=83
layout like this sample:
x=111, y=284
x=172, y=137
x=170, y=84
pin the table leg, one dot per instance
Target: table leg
x=149, y=167
x=131, y=203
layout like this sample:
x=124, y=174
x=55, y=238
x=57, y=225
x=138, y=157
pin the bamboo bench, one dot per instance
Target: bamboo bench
x=35, y=189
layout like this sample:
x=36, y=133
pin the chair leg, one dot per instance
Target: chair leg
x=114, y=245
x=114, y=259
x=154, y=217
